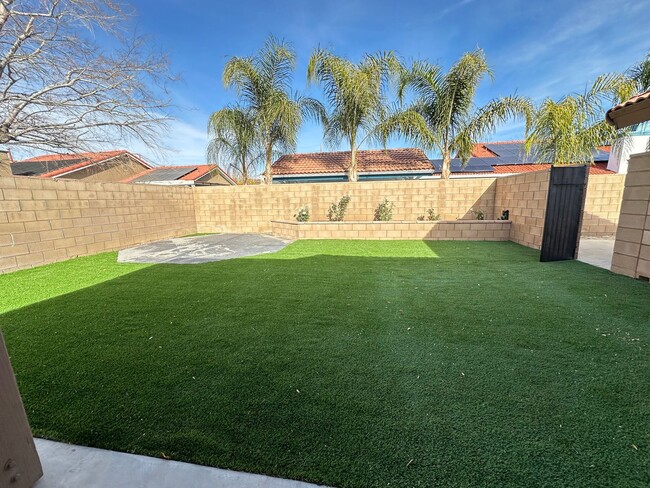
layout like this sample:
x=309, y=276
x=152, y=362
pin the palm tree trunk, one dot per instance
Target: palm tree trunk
x=269, y=162
x=244, y=172
x=446, y=165
x=352, y=171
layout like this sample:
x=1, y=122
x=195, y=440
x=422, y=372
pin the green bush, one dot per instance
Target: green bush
x=336, y=212
x=432, y=215
x=302, y=214
x=479, y=214
x=384, y=211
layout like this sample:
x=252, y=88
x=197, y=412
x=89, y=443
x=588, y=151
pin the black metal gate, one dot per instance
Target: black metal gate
x=566, y=200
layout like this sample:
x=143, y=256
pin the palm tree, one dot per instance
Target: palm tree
x=571, y=129
x=640, y=74
x=263, y=83
x=443, y=115
x=356, y=97
x=233, y=139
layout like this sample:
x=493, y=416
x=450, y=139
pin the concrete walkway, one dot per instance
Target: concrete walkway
x=202, y=249
x=597, y=252
x=69, y=466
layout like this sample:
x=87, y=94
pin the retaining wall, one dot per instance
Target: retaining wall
x=465, y=230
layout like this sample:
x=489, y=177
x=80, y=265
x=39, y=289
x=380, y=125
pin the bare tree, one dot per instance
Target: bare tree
x=60, y=90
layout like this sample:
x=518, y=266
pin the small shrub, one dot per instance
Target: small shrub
x=479, y=214
x=384, y=211
x=505, y=215
x=336, y=212
x=302, y=214
x=432, y=215
x=420, y=218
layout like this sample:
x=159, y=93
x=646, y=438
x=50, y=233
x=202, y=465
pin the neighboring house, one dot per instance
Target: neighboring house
x=381, y=164
x=5, y=162
x=107, y=166
x=504, y=158
x=191, y=175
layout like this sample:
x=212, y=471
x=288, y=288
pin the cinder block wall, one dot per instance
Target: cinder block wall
x=602, y=205
x=632, y=248
x=42, y=221
x=525, y=197
x=252, y=208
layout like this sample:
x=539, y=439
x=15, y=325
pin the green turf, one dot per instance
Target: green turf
x=346, y=363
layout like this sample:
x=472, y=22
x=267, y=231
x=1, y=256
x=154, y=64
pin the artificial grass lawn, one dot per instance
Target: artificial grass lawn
x=349, y=363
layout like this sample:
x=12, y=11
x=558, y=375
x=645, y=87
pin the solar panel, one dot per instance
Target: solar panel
x=31, y=168
x=474, y=165
x=165, y=174
x=601, y=156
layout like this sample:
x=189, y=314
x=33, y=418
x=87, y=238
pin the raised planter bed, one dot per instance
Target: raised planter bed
x=439, y=230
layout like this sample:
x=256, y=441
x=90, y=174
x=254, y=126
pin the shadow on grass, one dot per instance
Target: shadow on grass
x=479, y=366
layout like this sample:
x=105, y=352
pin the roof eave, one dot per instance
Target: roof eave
x=630, y=114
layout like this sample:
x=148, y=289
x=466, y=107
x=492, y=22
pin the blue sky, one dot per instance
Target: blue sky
x=538, y=49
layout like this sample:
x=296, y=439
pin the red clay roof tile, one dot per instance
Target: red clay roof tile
x=409, y=159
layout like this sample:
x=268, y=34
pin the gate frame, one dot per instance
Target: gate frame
x=550, y=242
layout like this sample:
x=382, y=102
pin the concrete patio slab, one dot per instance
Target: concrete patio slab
x=597, y=252
x=70, y=466
x=202, y=249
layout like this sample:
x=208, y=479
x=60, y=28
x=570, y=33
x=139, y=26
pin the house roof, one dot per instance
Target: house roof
x=177, y=173
x=508, y=157
x=368, y=161
x=632, y=111
x=53, y=165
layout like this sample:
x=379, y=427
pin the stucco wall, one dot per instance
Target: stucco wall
x=42, y=221
x=632, y=248
x=114, y=170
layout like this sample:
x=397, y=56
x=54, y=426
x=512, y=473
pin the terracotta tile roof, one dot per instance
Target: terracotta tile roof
x=64, y=163
x=594, y=169
x=635, y=99
x=394, y=160
x=639, y=114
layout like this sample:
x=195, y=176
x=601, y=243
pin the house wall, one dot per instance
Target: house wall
x=111, y=171
x=252, y=208
x=42, y=221
x=632, y=248
x=215, y=178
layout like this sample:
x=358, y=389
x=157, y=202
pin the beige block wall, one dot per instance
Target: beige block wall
x=524, y=196
x=466, y=230
x=632, y=248
x=602, y=205
x=42, y=221
x=252, y=208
